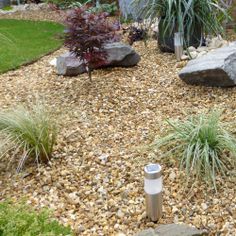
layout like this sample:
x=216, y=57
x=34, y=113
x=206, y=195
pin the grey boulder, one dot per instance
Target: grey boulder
x=173, y=230
x=118, y=54
x=216, y=68
x=67, y=64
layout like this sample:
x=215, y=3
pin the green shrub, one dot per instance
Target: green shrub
x=29, y=132
x=21, y=220
x=7, y=8
x=65, y=4
x=203, y=144
x=111, y=8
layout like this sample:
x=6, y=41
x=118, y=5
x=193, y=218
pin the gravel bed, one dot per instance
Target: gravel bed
x=95, y=180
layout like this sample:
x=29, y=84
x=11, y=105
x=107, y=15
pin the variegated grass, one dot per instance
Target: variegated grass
x=203, y=145
x=28, y=133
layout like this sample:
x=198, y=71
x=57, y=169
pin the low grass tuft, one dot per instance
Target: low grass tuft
x=203, y=145
x=28, y=132
x=18, y=219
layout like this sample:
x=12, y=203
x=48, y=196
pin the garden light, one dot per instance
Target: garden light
x=153, y=191
x=178, y=41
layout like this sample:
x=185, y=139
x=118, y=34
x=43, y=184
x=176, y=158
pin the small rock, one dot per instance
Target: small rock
x=204, y=206
x=172, y=176
x=102, y=190
x=81, y=229
x=201, y=54
x=53, y=62
x=193, y=54
x=201, y=49
x=74, y=198
x=104, y=157
x=216, y=42
x=174, y=210
x=184, y=57
x=116, y=226
x=180, y=64
x=120, y=214
x=178, y=230
x=191, y=49
x=215, y=201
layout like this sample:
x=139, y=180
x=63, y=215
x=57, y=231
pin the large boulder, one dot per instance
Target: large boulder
x=216, y=68
x=67, y=64
x=173, y=230
x=118, y=54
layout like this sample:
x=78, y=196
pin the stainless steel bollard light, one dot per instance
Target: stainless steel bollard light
x=153, y=191
x=178, y=42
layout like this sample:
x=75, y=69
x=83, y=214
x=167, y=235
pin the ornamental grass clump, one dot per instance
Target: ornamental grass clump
x=204, y=146
x=28, y=133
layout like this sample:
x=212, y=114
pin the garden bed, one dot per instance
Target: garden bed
x=95, y=180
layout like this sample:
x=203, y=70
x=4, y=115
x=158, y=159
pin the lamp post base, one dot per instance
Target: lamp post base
x=154, y=206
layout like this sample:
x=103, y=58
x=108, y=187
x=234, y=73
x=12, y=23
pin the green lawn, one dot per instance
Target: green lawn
x=24, y=41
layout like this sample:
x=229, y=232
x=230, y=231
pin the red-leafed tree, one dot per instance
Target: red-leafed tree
x=86, y=35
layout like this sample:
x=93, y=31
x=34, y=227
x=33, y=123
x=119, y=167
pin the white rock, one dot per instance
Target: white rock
x=116, y=226
x=53, y=62
x=172, y=176
x=33, y=7
x=215, y=201
x=193, y=54
x=216, y=42
x=120, y=234
x=74, y=198
x=204, y=206
x=192, y=49
x=120, y=214
x=202, y=53
x=201, y=49
x=174, y=210
x=104, y=157
x=184, y=57
x=43, y=6
x=102, y=191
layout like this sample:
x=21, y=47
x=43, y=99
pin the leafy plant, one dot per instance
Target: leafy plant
x=7, y=8
x=137, y=34
x=111, y=8
x=64, y=4
x=87, y=34
x=187, y=16
x=126, y=20
x=18, y=219
x=30, y=133
x=203, y=144
x=80, y=4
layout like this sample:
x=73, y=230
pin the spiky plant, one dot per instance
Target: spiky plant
x=203, y=145
x=183, y=16
x=28, y=133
